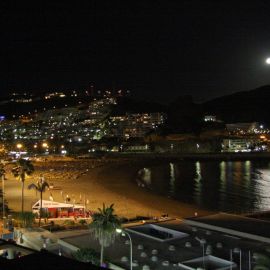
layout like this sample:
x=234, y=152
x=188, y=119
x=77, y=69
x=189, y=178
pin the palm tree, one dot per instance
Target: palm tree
x=21, y=170
x=40, y=187
x=87, y=255
x=104, y=226
x=2, y=176
x=262, y=261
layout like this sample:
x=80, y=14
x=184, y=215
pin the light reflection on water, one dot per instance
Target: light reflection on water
x=172, y=179
x=197, y=184
x=232, y=186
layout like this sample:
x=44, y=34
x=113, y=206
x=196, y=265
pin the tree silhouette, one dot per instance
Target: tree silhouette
x=104, y=226
x=22, y=168
x=41, y=187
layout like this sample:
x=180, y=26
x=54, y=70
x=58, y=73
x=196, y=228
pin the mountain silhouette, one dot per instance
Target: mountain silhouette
x=245, y=106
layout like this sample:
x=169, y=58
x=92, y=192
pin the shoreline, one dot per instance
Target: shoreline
x=125, y=186
x=106, y=181
x=226, y=156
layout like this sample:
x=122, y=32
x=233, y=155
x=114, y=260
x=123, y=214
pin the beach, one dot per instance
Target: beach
x=93, y=182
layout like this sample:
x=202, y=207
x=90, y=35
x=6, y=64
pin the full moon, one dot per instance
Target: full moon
x=267, y=61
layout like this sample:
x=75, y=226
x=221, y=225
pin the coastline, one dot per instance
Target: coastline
x=141, y=201
x=96, y=182
x=226, y=156
x=111, y=179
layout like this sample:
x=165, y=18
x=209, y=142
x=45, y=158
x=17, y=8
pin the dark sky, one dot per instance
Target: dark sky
x=156, y=49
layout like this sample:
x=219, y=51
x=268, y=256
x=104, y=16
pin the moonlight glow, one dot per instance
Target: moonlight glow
x=267, y=61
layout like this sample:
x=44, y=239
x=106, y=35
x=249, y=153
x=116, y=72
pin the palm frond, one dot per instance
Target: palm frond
x=104, y=225
x=22, y=168
x=2, y=170
x=44, y=186
x=33, y=186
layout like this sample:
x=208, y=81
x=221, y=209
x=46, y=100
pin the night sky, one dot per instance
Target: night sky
x=157, y=49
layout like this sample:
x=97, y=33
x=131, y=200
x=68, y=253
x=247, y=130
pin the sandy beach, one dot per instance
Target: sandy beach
x=96, y=182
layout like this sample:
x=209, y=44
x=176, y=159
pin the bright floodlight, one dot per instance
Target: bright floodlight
x=118, y=230
x=19, y=145
x=267, y=61
x=45, y=145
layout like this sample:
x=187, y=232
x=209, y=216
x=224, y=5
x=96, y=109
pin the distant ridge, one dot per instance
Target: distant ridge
x=131, y=105
x=245, y=106
x=182, y=114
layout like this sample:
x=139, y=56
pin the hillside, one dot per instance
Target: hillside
x=129, y=105
x=245, y=106
x=12, y=108
x=183, y=115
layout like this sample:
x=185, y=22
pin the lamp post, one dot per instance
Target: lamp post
x=3, y=176
x=45, y=146
x=124, y=233
x=239, y=251
x=19, y=146
x=3, y=195
x=202, y=242
x=231, y=259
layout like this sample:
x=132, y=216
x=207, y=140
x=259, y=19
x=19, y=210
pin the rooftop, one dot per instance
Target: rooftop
x=151, y=248
x=240, y=226
x=42, y=260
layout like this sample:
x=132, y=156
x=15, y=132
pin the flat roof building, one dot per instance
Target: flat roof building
x=239, y=226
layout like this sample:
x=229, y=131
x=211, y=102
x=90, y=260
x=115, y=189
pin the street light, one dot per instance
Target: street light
x=124, y=233
x=3, y=195
x=19, y=146
x=3, y=187
x=202, y=242
x=45, y=145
